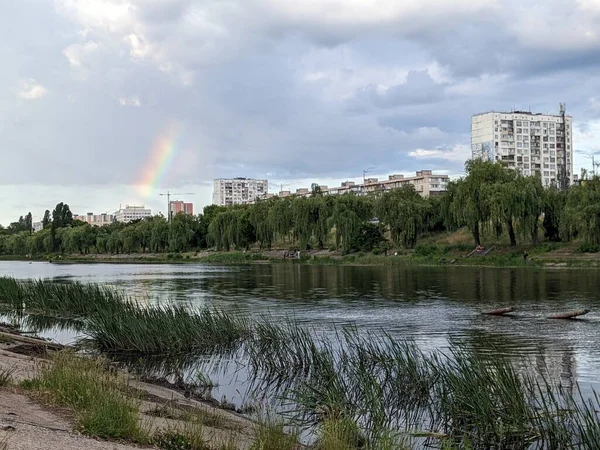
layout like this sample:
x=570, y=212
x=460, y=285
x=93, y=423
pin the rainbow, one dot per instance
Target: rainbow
x=160, y=159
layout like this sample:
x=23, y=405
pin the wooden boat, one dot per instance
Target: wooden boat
x=570, y=314
x=499, y=311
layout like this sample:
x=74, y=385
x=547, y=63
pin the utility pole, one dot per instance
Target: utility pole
x=282, y=185
x=365, y=172
x=591, y=156
x=168, y=195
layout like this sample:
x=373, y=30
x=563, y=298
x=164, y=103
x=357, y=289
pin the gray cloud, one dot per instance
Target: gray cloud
x=300, y=89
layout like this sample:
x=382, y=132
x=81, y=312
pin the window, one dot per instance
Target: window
x=546, y=174
x=518, y=123
x=519, y=130
x=526, y=144
x=519, y=144
x=544, y=125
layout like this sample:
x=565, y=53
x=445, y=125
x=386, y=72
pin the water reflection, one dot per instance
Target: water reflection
x=433, y=306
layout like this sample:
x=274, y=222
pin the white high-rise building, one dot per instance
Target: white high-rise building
x=131, y=213
x=238, y=191
x=534, y=144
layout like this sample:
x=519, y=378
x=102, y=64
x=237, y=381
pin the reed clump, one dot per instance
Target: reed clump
x=164, y=329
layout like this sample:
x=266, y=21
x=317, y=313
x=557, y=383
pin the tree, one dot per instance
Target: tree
x=62, y=216
x=29, y=223
x=405, y=213
x=554, y=204
x=46, y=220
x=470, y=207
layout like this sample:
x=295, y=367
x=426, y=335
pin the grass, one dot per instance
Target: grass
x=189, y=436
x=6, y=375
x=272, y=435
x=164, y=329
x=356, y=388
x=93, y=392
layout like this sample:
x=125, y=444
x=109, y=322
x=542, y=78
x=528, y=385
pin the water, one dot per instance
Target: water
x=432, y=306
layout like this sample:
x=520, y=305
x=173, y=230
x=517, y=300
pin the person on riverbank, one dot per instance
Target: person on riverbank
x=525, y=255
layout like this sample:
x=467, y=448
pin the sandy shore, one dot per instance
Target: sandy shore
x=27, y=424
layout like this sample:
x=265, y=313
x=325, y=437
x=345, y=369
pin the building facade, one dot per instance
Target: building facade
x=37, y=226
x=131, y=213
x=425, y=182
x=97, y=220
x=532, y=143
x=178, y=206
x=238, y=191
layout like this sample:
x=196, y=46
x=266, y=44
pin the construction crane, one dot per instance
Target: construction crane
x=168, y=195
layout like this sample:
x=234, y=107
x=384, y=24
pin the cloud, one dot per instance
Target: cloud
x=31, y=90
x=77, y=53
x=457, y=153
x=130, y=101
x=311, y=90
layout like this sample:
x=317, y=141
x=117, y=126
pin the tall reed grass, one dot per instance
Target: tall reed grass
x=384, y=387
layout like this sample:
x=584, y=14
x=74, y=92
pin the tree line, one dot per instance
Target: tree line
x=488, y=199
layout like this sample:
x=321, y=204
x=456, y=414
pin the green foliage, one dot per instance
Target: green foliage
x=489, y=198
x=405, y=213
x=271, y=435
x=92, y=391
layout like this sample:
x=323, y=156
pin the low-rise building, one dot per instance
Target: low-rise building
x=96, y=220
x=425, y=182
x=37, y=226
x=131, y=213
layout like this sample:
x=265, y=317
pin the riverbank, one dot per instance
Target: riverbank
x=56, y=400
x=542, y=256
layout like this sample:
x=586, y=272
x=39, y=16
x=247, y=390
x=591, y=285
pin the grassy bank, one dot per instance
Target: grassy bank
x=359, y=390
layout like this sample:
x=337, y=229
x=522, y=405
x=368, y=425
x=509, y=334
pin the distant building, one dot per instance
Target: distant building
x=37, y=226
x=532, y=143
x=425, y=182
x=238, y=191
x=177, y=206
x=131, y=213
x=97, y=220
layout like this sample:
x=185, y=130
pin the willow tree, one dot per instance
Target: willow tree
x=405, y=213
x=301, y=220
x=553, y=206
x=504, y=206
x=581, y=215
x=348, y=215
x=470, y=206
x=259, y=218
x=530, y=194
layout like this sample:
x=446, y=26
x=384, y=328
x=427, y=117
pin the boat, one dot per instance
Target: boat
x=570, y=314
x=499, y=311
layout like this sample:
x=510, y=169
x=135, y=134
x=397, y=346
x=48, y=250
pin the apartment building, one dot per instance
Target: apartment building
x=96, y=220
x=131, y=213
x=425, y=183
x=178, y=206
x=238, y=191
x=532, y=143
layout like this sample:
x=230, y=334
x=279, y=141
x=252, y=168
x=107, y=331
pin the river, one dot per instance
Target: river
x=432, y=306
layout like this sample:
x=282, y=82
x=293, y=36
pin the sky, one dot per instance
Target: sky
x=112, y=102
